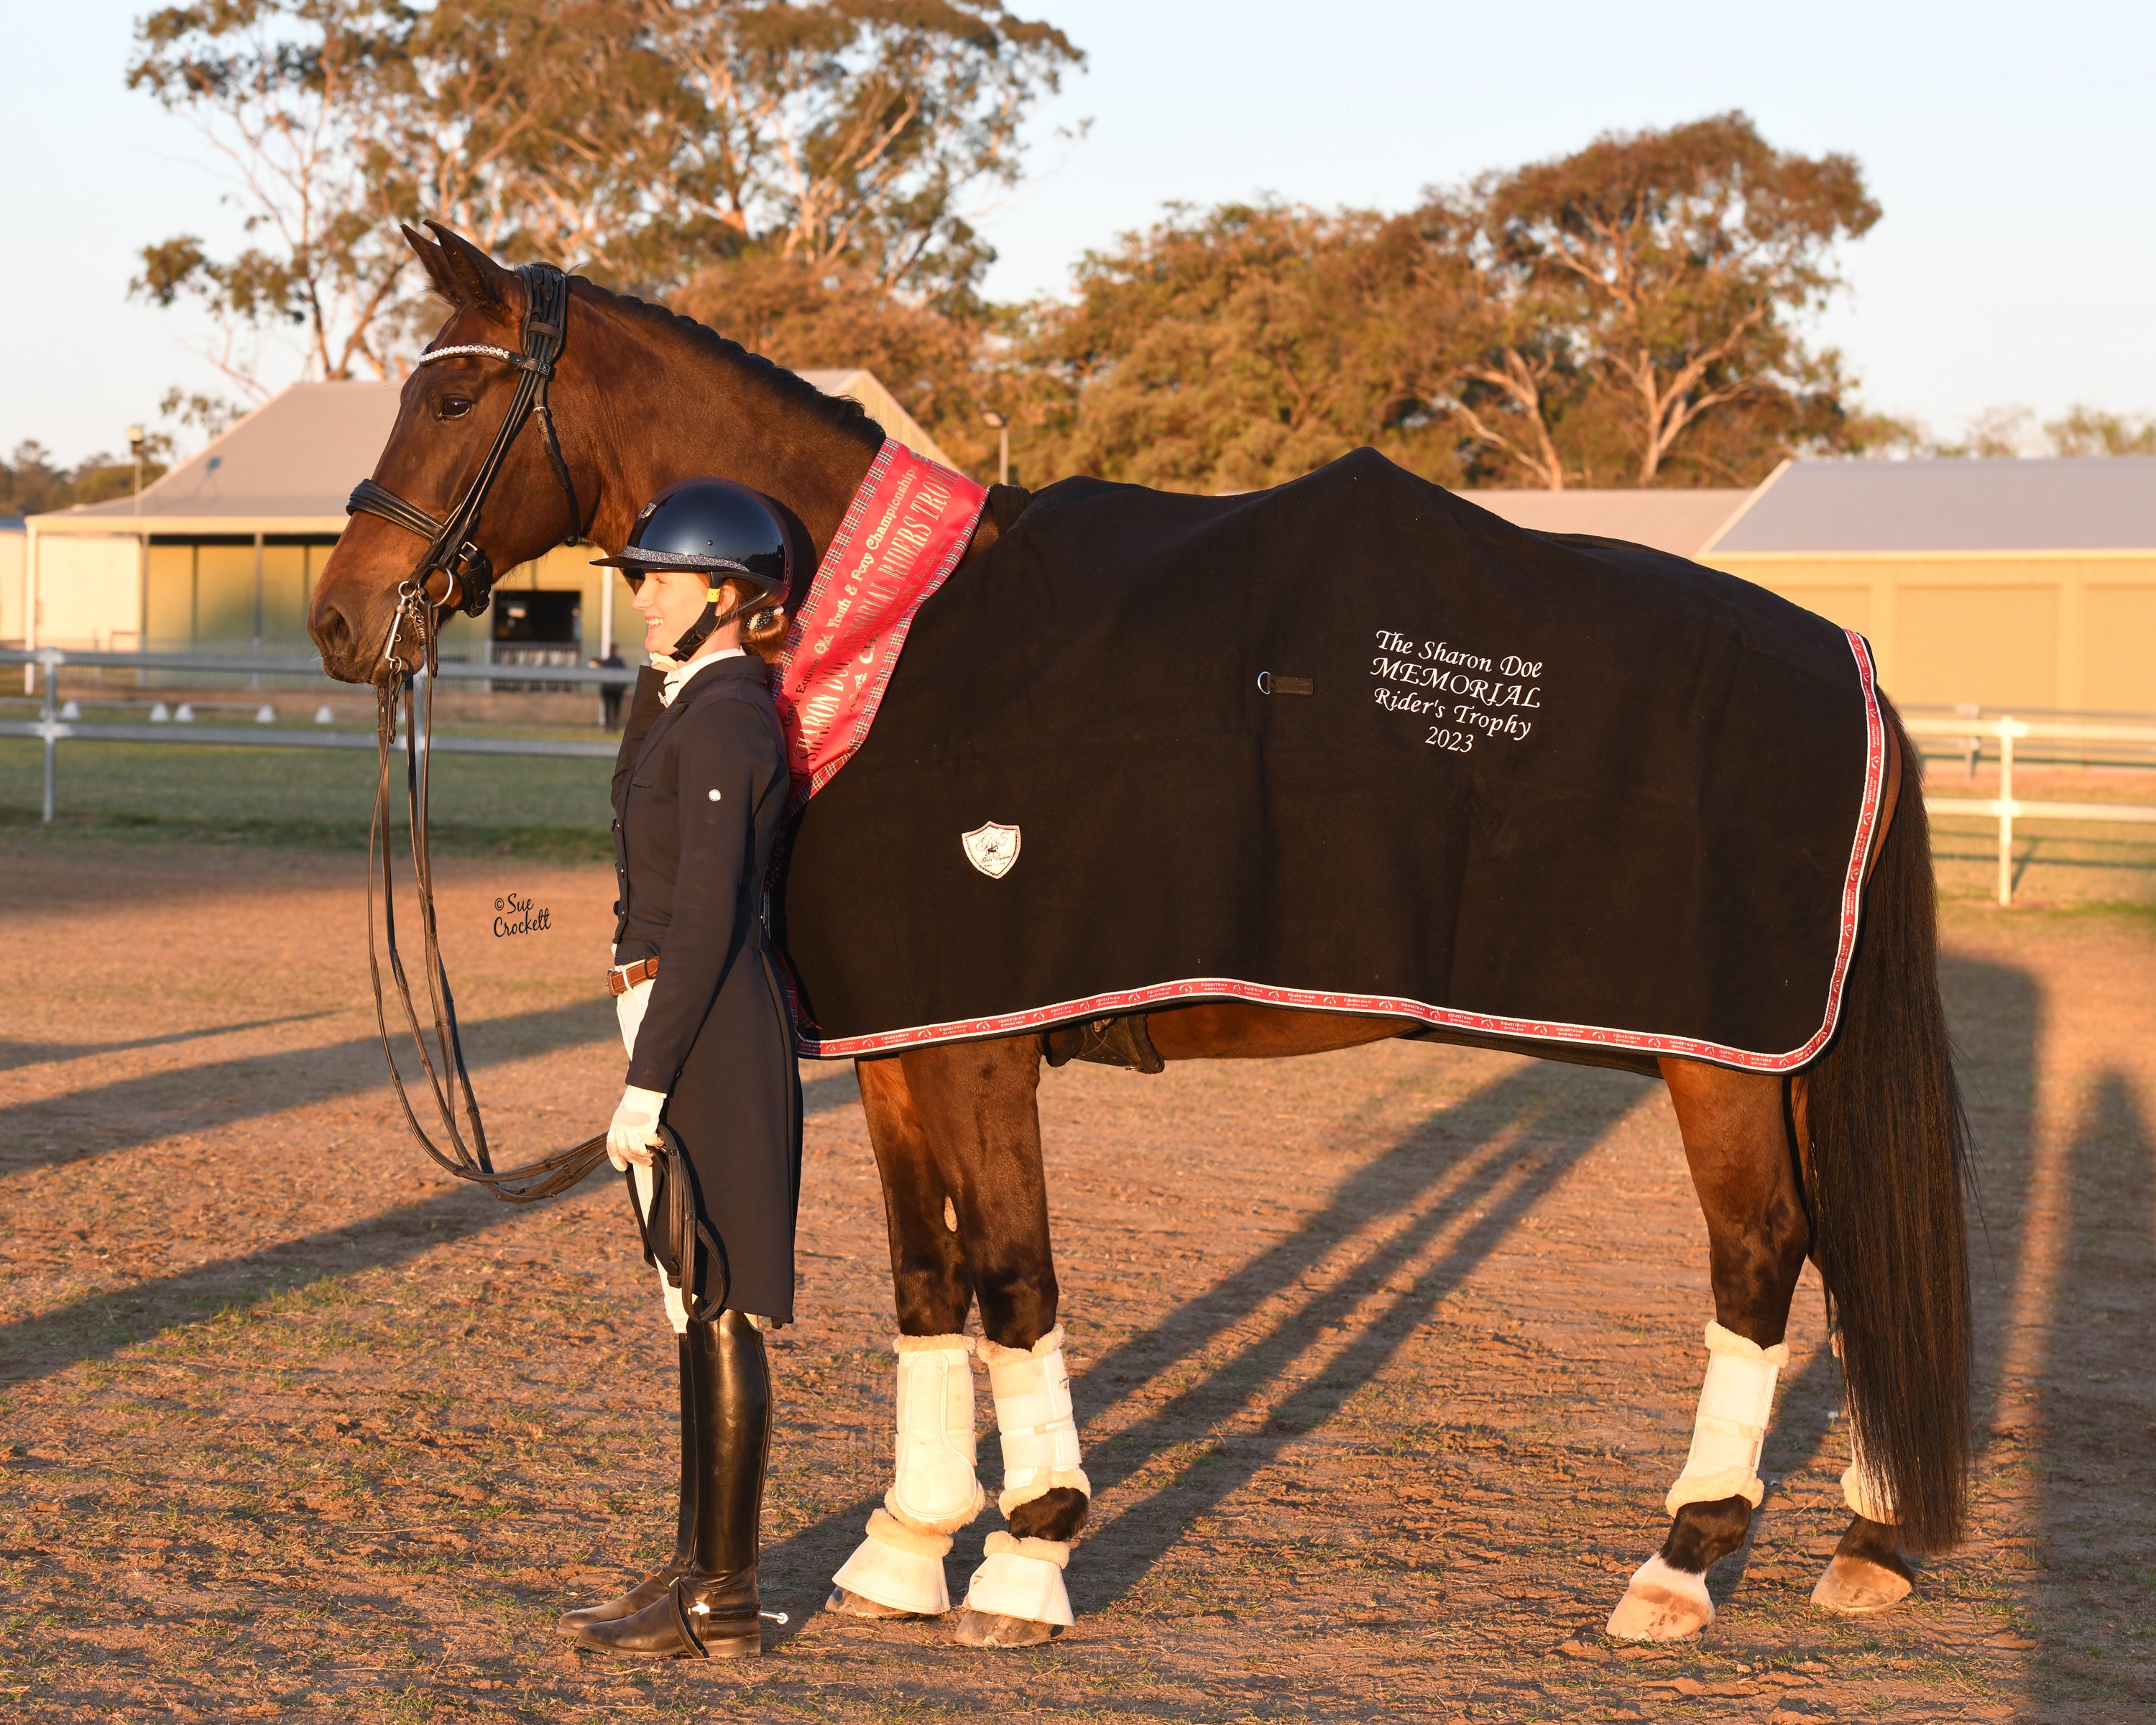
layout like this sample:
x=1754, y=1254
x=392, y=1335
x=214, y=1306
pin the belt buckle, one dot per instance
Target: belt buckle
x=618, y=983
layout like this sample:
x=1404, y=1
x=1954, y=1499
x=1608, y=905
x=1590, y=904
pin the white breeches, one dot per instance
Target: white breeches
x=629, y=1012
x=1735, y=1404
x=937, y=1491
x=677, y=1309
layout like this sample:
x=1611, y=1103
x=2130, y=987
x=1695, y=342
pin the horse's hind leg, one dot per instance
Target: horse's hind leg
x=1737, y=1142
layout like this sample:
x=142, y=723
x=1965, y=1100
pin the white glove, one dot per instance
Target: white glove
x=634, y=1132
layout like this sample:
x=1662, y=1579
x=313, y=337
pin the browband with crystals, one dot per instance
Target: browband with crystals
x=523, y=362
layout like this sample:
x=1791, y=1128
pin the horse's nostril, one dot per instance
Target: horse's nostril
x=332, y=634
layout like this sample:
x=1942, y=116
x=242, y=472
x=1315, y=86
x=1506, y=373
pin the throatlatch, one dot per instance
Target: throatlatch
x=935, y=1493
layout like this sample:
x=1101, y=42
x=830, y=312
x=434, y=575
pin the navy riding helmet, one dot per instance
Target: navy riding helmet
x=719, y=530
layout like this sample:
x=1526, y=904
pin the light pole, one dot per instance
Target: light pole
x=1001, y=426
x=141, y=551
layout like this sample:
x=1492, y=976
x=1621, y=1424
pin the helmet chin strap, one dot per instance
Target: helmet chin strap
x=700, y=631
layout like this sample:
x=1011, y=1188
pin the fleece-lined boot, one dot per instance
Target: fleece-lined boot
x=657, y=1584
x=712, y=1610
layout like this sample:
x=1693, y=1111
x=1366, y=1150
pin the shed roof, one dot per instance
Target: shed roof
x=295, y=457
x=859, y=384
x=1674, y=521
x=2062, y=503
x=293, y=461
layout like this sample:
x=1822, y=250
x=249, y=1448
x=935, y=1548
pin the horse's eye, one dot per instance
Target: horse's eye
x=452, y=407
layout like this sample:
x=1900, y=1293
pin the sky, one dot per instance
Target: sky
x=2011, y=147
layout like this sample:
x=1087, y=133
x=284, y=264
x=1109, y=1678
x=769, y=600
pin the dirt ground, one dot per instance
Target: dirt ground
x=1384, y=1358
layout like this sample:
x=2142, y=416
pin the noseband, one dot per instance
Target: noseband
x=453, y=544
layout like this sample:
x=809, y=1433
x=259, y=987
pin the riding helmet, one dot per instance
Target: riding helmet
x=722, y=530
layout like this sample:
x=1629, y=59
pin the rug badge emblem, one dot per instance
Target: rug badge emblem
x=992, y=848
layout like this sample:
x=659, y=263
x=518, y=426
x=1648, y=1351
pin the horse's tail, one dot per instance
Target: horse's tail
x=1887, y=1162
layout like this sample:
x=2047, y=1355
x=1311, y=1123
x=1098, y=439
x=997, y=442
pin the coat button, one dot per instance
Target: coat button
x=713, y=795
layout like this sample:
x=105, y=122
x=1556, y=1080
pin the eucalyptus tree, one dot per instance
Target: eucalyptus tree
x=640, y=141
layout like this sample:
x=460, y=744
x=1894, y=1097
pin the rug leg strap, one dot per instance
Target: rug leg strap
x=1735, y=1404
x=1023, y=1578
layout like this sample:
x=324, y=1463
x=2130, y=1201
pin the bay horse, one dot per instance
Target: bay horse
x=1856, y=1161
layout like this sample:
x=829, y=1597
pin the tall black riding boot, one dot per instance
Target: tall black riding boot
x=712, y=1611
x=654, y=1586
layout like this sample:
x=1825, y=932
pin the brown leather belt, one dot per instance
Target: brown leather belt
x=625, y=977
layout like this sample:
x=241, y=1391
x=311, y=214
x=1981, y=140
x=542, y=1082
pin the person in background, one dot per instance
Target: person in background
x=610, y=693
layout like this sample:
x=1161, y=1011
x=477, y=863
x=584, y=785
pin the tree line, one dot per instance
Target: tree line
x=32, y=480
x=805, y=178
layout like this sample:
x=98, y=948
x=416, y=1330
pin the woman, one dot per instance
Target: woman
x=712, y=1106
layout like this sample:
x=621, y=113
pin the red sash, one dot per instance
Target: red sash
x=905, y=530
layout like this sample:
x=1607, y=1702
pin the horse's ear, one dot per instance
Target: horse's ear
x=431, y=260
x=474, y=279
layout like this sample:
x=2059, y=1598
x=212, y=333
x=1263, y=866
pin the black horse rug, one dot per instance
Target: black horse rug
x=1352, y=745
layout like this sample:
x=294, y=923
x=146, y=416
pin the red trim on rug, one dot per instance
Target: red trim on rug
x=1383, y=1006
x=908, y=526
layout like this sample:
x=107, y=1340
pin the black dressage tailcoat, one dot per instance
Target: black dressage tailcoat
x=700, y=792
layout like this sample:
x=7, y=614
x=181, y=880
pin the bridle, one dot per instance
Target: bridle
x=453, y=549
x=453, y=544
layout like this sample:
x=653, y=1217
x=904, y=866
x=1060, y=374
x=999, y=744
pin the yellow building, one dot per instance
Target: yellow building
x=221, y=555
x=2017, y=584
x=2014, y=584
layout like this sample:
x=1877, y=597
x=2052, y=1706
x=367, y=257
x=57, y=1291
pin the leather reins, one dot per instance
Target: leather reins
x=674, y=1233
x=453, y=549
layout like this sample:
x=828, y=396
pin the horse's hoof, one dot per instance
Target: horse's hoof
x=1661, y=1605
x=991, y=1629
x=854, y=1604
x=1855, y=1585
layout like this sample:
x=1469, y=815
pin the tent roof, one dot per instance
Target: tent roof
x=2066, y=503
x=1674, y=521
x=294, y=460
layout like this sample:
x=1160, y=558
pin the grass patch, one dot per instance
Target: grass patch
x=540, y=809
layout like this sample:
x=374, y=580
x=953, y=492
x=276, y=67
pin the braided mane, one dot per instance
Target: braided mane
x=786, y=389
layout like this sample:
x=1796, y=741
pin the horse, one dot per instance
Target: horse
x=1856, y=1162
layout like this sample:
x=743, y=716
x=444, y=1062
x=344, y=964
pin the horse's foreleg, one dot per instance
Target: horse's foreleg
x=976, y=1102
x=897, y=1571
x=1737, y=1142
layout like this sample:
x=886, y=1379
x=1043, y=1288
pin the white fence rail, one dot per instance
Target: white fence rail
x=2117, y=742
x=51, y=730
